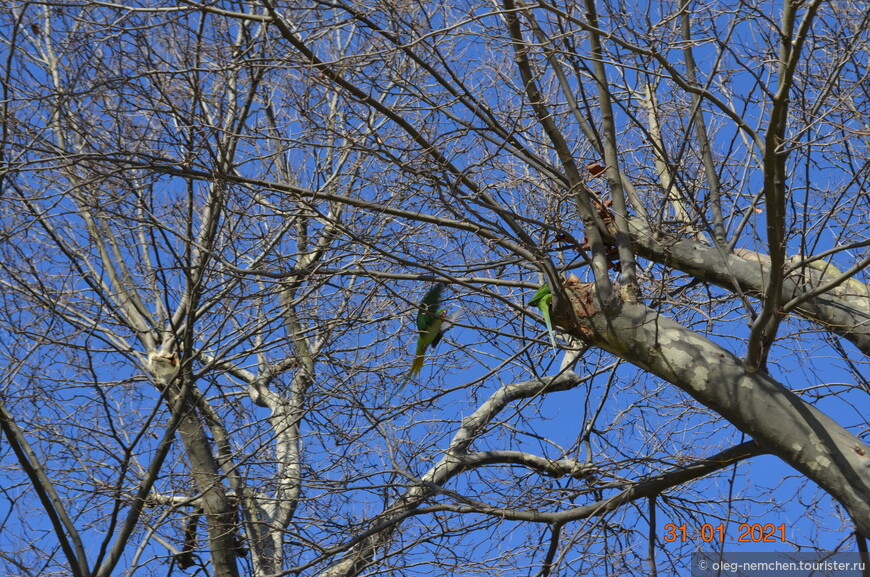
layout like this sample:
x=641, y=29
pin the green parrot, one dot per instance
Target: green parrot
x=543, y=299
x=432, y=323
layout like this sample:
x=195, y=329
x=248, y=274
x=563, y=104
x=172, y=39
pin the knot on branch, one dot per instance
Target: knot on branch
x=163, y=365
x=583, y=302
x=586, y=304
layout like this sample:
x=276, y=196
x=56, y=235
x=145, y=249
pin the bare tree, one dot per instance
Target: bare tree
x=218, y=220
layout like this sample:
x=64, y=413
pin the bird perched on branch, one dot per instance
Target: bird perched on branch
x=543, y=299
x=432, y=323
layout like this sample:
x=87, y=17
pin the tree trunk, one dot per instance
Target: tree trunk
x=780, y=421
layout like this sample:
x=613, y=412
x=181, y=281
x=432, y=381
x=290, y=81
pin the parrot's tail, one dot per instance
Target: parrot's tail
x=416, y=366
x=550, y=332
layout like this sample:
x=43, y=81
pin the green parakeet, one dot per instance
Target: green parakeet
x=543, y=299
x=432, y=322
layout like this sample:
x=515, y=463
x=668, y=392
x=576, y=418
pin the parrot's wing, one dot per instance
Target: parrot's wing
x=446, y=322
x=430, y=307
x=542, y=292
x=451, y=320
x=433, y=334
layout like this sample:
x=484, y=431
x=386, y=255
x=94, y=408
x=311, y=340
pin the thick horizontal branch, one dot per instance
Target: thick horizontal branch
x=844, y=309
x=642, y=489
x=550, y=467
x=451, y=464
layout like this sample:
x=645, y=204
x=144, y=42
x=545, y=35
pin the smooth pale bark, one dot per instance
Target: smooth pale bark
x=780, y=421
x=219, y=513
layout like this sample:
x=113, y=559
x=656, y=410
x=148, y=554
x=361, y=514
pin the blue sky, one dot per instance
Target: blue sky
x=86, y=381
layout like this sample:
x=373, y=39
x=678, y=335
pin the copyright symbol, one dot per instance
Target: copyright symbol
x=702, y=564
